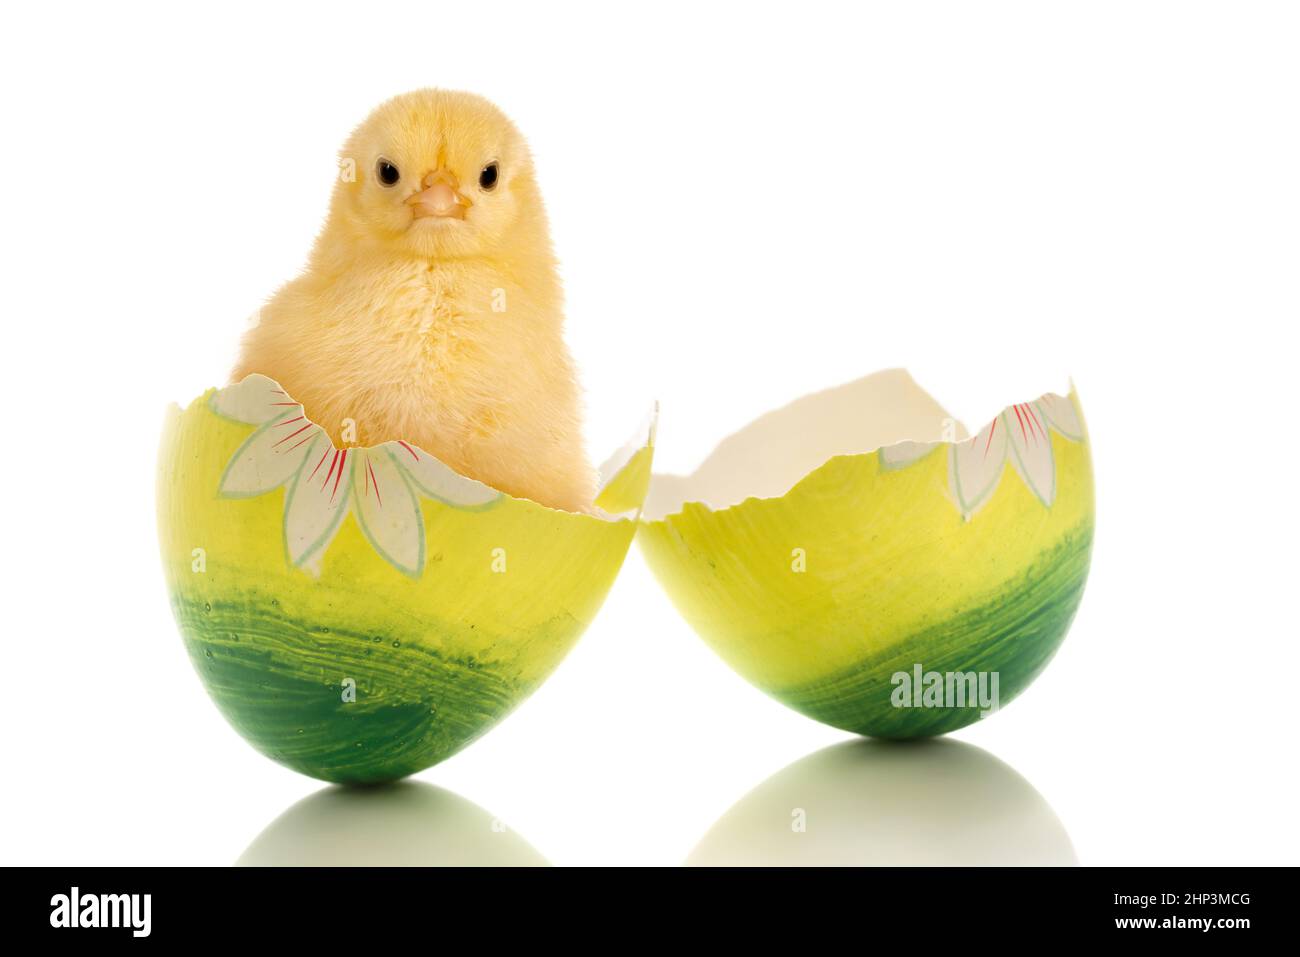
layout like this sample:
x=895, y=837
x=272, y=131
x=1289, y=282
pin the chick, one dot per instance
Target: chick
x=430, y=309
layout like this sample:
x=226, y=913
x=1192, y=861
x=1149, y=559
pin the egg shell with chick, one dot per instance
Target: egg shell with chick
x=860, y=558
x=360, y=614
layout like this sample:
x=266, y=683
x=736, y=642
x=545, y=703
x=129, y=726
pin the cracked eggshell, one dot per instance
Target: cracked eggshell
x=360, y=614
x=856, y=534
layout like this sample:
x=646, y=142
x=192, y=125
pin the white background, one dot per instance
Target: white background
x=750, y=203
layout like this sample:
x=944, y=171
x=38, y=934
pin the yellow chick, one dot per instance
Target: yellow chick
x=430, y=309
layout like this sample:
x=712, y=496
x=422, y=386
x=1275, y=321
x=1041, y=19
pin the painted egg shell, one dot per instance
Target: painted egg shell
x=858, y=557
x=360, y=614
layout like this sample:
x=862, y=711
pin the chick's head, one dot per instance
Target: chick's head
x=435, y=173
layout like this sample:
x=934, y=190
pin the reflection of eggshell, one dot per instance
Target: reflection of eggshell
x=406, y=824
x=360, y=614
x=862, y=803
x=858, y=536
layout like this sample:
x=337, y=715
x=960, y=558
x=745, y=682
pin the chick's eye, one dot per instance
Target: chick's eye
x=487, y=179
x=387, y=173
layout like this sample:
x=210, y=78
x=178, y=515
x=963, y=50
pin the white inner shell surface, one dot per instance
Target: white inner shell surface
x=774, y=452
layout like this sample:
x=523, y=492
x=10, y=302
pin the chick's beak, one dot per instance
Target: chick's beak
x=439, y=197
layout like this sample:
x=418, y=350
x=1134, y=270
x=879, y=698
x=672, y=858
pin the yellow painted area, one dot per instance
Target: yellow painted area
x=884, y=553
x=495, y=578
x=626, y=491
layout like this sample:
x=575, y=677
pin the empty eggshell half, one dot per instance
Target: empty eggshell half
x=860, y=558
x=359, y=614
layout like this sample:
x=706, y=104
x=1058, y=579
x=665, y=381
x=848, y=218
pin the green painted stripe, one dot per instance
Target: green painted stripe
x=279, y=681
x=1014, y=634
